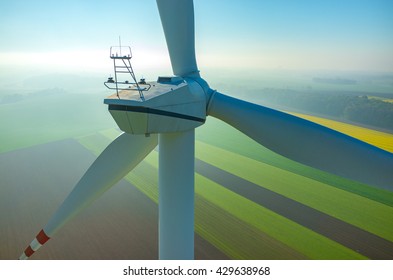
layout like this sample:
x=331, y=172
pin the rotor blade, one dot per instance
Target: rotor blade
x=177, y=18
x=307, y=142
x=119, y=158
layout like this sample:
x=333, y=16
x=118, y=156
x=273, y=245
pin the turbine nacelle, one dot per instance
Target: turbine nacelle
x=172, y=104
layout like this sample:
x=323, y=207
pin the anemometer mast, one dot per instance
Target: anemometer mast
x=121, y=56
x=170, y=104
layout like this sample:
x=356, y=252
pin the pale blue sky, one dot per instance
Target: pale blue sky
x=333, y=35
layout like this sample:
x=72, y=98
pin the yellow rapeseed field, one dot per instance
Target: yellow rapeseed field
x=377, y=138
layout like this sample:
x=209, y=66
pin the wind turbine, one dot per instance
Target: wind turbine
x=172, y=110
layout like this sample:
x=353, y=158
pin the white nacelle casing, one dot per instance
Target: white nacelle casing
x=172, y=104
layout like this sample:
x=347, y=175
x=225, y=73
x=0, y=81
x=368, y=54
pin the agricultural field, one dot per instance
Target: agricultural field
x=43, y=119
x=250, y=202
x=389, y=100
x=377, y=138
x=360, y=210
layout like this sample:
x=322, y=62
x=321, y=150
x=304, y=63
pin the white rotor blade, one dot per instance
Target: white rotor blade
x=119, y=158
x=307, y=142
x=177, y=18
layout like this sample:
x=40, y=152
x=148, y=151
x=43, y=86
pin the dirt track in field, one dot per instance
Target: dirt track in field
x=366, y=243
x=122, y=224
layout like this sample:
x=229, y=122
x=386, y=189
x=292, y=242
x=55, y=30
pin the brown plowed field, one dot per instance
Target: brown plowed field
x=122, y=224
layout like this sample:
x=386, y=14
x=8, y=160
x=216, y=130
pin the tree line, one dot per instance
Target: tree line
x=355, y=108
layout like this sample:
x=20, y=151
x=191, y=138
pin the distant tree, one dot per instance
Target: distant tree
x=11, y=98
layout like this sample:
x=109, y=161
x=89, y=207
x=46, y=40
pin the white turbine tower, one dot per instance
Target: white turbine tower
x=172, y=109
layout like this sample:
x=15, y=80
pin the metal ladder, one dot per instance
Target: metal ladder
x=122, y=65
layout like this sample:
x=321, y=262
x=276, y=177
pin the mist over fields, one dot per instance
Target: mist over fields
x=51, y=106
x=38, y=105
x=53, y=125
x=363, y=99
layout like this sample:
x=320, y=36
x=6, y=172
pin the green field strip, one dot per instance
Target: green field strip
x=224, y=136
x=16, y=139
x=223, y=230
x=367, y=214
x=141, y=175
x=111, y=133
x=99, y=140
x=41, y=120
x=145, y=178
